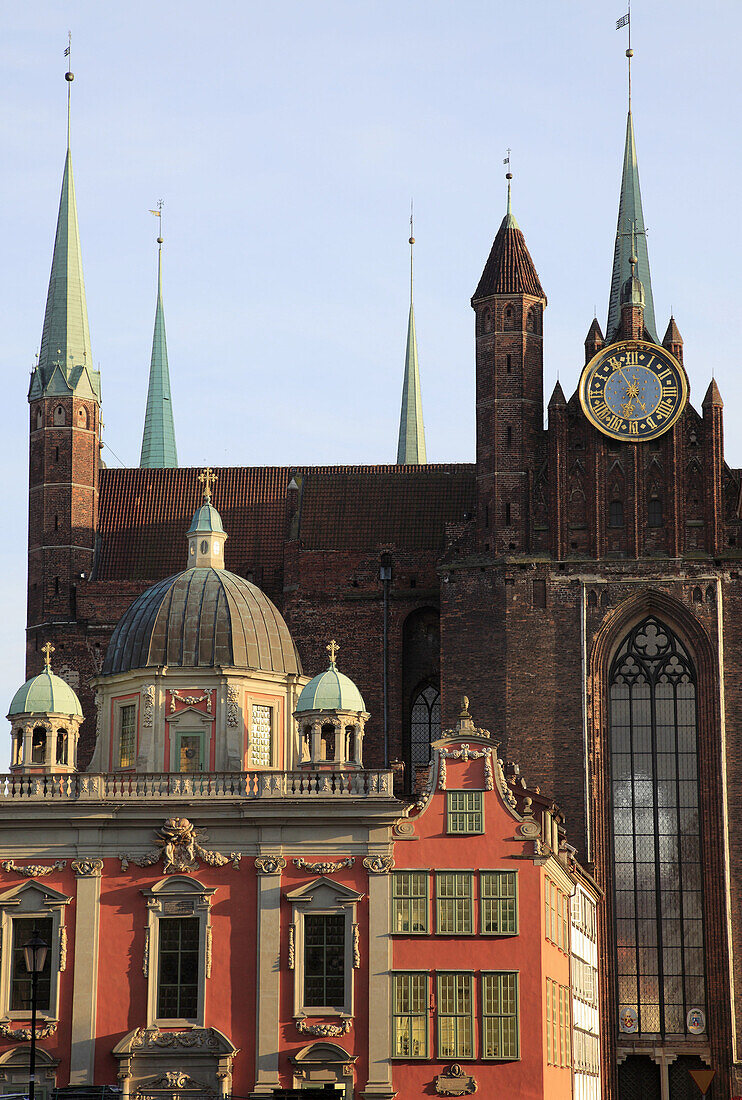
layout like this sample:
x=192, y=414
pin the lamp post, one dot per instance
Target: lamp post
x=34, y=954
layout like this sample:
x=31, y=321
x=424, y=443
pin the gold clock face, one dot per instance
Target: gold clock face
x=633, y=390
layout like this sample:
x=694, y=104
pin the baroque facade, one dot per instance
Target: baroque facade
x=582, y=587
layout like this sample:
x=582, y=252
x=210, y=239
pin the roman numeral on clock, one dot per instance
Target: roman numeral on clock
x=665, y=407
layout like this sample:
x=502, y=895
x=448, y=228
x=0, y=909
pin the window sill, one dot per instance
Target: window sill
x=166, y=1021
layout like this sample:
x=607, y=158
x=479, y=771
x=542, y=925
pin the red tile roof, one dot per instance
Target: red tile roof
x=144, y=514
x=509, y=268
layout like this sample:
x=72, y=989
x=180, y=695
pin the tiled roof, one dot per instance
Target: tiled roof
x=144, y=514
x=509, y=268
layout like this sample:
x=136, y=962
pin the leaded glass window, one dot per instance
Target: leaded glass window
x=657, y=848
x=177, y=993
x=425, y=727
x=127, y=735
x=410, y=901
x=261, y=749
x=24, y=929
x=499, y=903
x=455, y=1016
x=500, y=1015
x=454, y=902
x=324, y=960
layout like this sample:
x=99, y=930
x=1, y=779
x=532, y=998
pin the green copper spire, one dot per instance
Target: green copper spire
x=630, y=221
x=411, y=446
x=158, y=441
x=65, y=361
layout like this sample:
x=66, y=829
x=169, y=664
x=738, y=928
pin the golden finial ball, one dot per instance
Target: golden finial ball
x=159, y=240
x=69, y=76
x=508, y=175
x=412, y=240
x=629, y=53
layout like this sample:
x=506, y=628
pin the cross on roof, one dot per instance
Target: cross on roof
x=207, y=479
x=332, y=649
x=47, y=650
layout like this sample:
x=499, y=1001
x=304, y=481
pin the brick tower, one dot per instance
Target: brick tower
x=509, y=303
x=64, y=426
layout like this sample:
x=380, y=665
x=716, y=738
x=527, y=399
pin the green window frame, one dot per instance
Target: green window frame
x=465, y=812
x=454, y=903
x=455, y=1015
x=500, y=1015
x=410, y=902
x=127, y=715
x=498, y=895
x=410, y=1015
x=179, y=962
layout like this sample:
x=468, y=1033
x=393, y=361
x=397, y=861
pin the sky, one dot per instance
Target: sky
x=287, y=141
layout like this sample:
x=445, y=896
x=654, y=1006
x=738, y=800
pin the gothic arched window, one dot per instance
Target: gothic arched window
x=615, y=513
x=425, y=727
x=657, y=844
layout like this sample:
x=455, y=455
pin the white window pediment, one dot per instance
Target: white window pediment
x=324, y=916
x=23, y=909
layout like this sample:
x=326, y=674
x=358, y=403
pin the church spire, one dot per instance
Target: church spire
x=158, y=441
x=630, y=221
x=65, y=360
x=411, y=446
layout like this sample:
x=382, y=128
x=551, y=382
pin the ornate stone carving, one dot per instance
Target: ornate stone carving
x=98, y=711
x=33, y=870
x=200, y=1038
x=529, y=829
x=180, y=845
x=233, y=707
x=455, y=1082
x=148, y=698
x=23, y=1034
x=145, y=954
x=172, y=1080
x=403, y=829
x=378, y=865
x=292, y=948
x=323, y=868
x=190, y=700
x=442, y=770
x=62, y=947
x=87, y=868
x=209, y=948
x=356, y=947
x=269, y=865
x=324, y=1031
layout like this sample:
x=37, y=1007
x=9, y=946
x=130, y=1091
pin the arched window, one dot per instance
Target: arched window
x=59, y=417
x=657, y=850
x=425, y=727
x=420, y=671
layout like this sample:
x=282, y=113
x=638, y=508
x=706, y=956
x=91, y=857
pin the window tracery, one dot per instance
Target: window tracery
x=657, y=849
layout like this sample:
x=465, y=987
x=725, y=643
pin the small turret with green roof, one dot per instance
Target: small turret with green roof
x=46, y=716
x=206, y=535
x=331, y=715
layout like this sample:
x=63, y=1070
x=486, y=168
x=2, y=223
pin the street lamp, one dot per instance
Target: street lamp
x=34, y=954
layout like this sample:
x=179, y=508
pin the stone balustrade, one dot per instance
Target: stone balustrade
x=127, y=786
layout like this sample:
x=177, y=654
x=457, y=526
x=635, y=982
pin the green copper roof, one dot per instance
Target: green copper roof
x=65, y=342
x=45, y=694
x=331, y=690
x=158, y=442
x=411, y=445
x=630, y=217
x=206, y=519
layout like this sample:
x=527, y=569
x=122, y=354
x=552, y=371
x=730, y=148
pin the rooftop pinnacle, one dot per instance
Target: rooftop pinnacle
x=630, y=228
x=411, y=446
x=509, y=268
x=158, y=441
x=65, y=360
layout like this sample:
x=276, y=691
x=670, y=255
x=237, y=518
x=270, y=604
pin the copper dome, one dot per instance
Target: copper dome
x=202, y=618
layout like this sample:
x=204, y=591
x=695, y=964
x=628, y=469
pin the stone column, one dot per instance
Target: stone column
x=268, y=990
x=85, y=981
x=379, y=1082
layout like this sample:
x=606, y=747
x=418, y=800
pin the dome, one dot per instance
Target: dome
x=632, y=292
x=45, y=694
x=202, y=618
x=206, y=519
x=331, y=690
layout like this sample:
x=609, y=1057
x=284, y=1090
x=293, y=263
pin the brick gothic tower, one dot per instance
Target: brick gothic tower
x=509, y=303
x=64, y=400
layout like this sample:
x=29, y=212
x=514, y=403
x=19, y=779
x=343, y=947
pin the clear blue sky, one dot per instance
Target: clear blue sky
x=286, y=140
